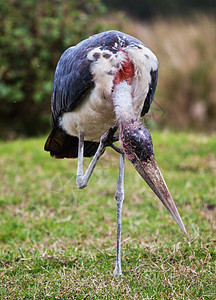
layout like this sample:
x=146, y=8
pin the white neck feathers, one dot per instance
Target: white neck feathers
x=122, y=101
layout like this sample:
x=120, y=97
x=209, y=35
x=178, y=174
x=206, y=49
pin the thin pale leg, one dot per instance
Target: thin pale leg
x=106, y=140
x=119, y=195
x=82, y=180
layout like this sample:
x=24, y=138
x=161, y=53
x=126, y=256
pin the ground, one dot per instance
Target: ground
x=58, y=242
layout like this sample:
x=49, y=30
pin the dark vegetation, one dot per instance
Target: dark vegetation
x=147, y=9
x=33, y=34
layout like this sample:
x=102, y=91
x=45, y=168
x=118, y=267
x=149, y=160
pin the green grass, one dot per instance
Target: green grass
x=58, y=242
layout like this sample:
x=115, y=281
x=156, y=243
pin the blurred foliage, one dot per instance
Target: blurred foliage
x=33, y=35
x=146, y=9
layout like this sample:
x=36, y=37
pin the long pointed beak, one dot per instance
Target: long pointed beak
x=151, y=173
x=136, y=142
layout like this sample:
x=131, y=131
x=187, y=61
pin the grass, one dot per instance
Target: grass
x=58, y=242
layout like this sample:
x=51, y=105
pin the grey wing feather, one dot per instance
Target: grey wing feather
x=71, y=82
x=150, y=96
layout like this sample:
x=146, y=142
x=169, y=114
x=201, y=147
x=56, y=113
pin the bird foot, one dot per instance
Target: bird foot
x=108, y=138
x=117, y=271
x=117, y=149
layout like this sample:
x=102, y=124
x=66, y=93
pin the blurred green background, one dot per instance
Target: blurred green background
x=33, y=35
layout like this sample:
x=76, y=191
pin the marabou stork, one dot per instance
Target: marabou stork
x=102, y=86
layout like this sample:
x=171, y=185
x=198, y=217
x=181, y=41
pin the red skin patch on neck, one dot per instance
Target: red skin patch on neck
x=126, y=72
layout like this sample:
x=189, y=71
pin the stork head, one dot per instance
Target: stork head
x=136, y=142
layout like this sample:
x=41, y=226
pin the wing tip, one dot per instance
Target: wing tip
x=62, y=145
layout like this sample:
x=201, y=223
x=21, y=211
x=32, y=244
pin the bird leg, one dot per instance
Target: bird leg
x=107, y=139
x=119, y=195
